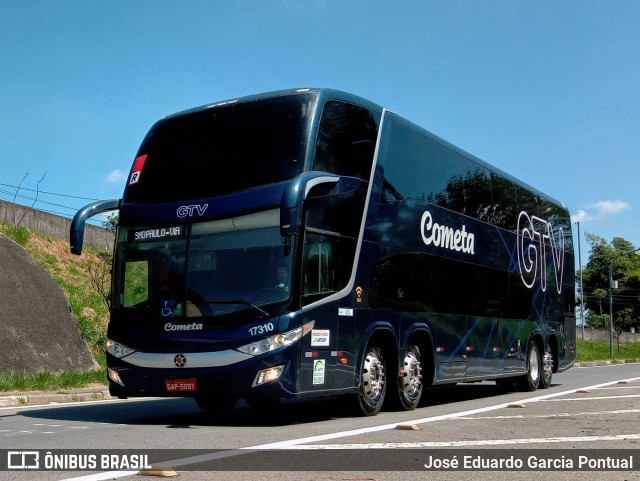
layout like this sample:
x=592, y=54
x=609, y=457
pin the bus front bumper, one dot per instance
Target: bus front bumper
x=266, y=376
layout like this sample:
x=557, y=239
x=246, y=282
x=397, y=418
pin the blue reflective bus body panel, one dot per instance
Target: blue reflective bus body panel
x=311, y=243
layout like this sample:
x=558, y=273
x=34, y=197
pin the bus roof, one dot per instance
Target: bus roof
x=323, y=94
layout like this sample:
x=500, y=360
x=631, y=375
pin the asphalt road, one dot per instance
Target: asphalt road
x=585, y=411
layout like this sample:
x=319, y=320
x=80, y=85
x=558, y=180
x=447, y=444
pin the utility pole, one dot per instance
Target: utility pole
x=581, y=284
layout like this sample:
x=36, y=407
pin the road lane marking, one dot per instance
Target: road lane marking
x=88, y=402
x=551, y=416
x=592, y=398
x=289, y=444
x=477, y=442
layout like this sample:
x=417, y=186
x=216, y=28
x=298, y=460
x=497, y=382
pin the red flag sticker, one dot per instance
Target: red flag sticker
x=136, y=170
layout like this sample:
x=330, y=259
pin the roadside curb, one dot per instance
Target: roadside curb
x=606, y=363
x=52, y=397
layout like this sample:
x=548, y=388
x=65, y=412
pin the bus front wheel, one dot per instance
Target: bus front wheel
x=373, y=381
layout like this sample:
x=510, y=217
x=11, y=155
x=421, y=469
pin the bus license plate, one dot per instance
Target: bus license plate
x=180, y=385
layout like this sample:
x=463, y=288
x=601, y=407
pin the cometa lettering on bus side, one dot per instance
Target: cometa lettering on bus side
x=446, y=237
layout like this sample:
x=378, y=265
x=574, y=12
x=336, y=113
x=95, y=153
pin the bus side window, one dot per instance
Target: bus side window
x=136, y=283
x=317, y=269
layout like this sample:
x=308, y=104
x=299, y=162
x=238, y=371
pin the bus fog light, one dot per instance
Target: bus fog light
x=268, y=375
x=114, y=376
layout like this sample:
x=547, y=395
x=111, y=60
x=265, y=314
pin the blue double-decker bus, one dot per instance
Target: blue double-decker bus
x=309, y=243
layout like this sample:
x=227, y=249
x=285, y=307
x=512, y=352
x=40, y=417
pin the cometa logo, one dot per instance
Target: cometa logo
x=182, y=327
x=446, y=237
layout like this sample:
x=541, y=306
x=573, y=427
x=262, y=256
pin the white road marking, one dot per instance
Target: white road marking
x=79, y=403
x=478, y=442
x=552, y=416
x=593, y=398
x=291, y=443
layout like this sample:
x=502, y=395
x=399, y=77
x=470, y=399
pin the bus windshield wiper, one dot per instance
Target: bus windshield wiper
x=262, y=312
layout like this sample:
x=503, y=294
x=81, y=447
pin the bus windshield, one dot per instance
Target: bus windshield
x=222, y=149
x=206, y=269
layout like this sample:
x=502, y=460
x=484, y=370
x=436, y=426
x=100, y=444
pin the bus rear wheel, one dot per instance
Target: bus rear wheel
x=547, y=369
x=373, y=381
x=410, y=385
x=531, y=380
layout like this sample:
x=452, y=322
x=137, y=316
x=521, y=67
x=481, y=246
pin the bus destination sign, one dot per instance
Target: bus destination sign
x=157, y=233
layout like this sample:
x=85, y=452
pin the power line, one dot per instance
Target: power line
x=18, y=188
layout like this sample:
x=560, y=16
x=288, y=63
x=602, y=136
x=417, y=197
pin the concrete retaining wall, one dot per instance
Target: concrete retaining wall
x=53, y=225
x=603, y=335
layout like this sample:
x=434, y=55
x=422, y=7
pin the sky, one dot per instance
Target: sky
x=546, y=90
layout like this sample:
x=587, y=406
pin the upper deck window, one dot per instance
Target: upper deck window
x=223, y=149
x=346, y=140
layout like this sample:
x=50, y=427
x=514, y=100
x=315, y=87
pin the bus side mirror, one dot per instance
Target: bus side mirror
x=76, y=231
x=292, y=204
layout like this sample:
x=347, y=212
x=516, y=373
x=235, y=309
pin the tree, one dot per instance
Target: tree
x=626, y=270
x=624, y=320
x=111, y=223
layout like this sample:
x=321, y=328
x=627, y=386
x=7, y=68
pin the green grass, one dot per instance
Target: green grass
x=599, y=351
x=47, y=381
x=19, y=234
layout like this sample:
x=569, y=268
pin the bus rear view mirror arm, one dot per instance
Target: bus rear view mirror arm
x=292, y=204
x=76, y=231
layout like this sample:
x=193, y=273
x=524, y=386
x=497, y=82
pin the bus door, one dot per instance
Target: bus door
x=317, y=282
x=318, y=353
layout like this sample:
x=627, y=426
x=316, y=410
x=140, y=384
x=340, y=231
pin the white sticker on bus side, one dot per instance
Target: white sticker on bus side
x=318, y=371
x=320, y=337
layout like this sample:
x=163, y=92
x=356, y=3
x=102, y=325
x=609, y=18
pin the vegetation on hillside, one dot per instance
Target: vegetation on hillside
x=77, y=276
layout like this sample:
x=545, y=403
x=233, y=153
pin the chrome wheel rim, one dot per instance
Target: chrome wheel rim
x=412, y=376
x=373, y=378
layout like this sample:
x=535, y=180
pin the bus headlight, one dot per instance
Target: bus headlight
x=118, y=350
x=276, y=341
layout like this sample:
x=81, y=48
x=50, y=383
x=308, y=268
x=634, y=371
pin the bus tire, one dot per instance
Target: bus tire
x=531, y=380
x=547, y=369
x=373, y=381
x=410, y=384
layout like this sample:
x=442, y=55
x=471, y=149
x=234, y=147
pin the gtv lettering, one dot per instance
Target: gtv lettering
x=534, y=237
x=190, y=210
